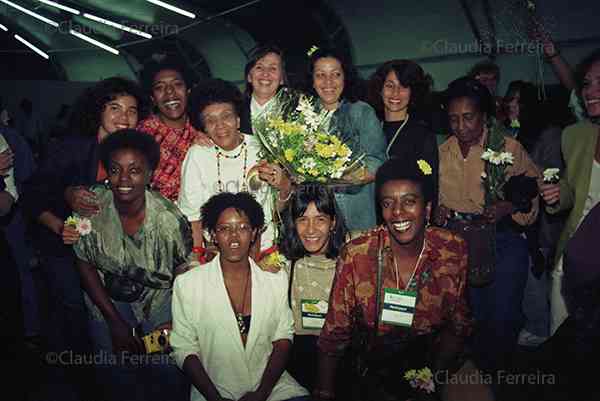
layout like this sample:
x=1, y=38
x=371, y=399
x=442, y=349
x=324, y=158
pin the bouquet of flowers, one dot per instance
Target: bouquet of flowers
x=300, y=138
x=497, y=161
x=551, y=175
x=421, y=379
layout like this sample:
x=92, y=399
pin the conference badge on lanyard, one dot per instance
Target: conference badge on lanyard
x=398, y=307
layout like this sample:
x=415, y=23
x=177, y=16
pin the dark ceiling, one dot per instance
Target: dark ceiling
x=293, y=25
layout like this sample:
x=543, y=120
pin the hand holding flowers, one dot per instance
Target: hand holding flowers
x=74, y=227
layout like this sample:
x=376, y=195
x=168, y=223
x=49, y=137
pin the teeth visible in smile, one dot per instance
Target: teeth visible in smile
x=404, y=226
x=311, y=238
x=124, y=189
x=173, y=104
x=593, y=101
x=235, y=245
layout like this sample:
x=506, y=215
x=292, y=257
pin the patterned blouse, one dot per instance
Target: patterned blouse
x=440, y=281
x=148, y=257
x=174, y=144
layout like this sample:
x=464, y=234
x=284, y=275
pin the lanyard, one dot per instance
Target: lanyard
x=414, y=270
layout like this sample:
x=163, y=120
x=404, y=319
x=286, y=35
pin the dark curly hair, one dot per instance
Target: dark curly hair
x=304, y=195
x=169, y=63
x=258, y=53
x=243, y=202
x=352, y=85
x=470, y=88
x=86, y=115
x=404, y=169
x=212, y=91
x=410, y=75
x=130, y=139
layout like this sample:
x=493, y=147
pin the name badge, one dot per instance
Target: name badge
x=398, y=307
x=313, y=313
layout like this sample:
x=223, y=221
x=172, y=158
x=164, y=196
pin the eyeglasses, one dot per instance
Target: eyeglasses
x=230, y=229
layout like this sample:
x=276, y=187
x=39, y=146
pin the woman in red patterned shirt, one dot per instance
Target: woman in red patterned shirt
x=422, y=317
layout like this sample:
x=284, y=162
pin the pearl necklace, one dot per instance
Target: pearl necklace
x=220, y=154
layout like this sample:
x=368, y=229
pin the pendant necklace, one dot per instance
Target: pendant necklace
x=220, y=154
x=387, y=151
x=239, y=314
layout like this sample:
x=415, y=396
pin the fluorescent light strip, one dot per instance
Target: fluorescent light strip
x=94, y=42
x=172, y=8
x=32, y=47
x=34, y=15
x=60, y=6
x=118, y=26
x=5, y=29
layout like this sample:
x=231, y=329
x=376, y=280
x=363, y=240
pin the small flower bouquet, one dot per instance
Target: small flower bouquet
x=81, y=224
x=421, y=379
x=497, y=161
x=551, y=175
x=301, y=140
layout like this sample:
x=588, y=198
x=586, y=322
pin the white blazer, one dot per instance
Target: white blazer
x=204, y=324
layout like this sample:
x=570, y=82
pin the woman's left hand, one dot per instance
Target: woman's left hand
x=274, y=175
x=498, y=210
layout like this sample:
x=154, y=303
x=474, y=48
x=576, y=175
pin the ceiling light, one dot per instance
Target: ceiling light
x=5, y=29
x=172, y=8
x=28, y=12
x=32, y=47
x=118, y=26
x=94, y=42
x=60, y=6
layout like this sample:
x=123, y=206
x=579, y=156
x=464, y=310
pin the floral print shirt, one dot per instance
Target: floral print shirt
x=174, y=144
x=440, y=282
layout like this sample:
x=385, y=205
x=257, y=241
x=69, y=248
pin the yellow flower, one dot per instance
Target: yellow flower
x=424, y=166
x=71, y=221
x=289, y=154
x=411, y=374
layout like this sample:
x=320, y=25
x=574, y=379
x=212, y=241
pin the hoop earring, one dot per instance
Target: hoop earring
x=106, y=183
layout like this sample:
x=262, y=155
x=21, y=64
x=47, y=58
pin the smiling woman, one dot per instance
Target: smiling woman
x=127, y=266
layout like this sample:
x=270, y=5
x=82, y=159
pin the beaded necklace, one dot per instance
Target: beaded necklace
x=220, y=154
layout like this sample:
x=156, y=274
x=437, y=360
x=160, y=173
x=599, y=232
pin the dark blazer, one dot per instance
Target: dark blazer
x=72, y=161
x=245, y=118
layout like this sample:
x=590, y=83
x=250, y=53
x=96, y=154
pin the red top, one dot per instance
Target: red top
x=174, y=144
x=440, y=278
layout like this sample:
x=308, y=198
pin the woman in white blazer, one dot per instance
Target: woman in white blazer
x=232, y=326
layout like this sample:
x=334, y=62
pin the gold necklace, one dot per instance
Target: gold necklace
x=387, y=151
x=220, y=154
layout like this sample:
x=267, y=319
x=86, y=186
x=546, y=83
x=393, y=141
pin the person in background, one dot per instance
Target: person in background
x=334, y=81
x=60, y=187
x=169, y=84
x=497, y=305
x=232, y=326
x=579, y=188
x=264, y=74
x=127, y=260
x=398, y=91
x=312, y=236
x=487, y=73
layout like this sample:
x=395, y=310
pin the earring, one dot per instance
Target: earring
x=107, y=183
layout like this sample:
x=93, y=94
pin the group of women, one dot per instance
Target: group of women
x=403, y=285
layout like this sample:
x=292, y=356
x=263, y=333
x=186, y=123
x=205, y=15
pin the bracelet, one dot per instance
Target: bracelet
x=287, y=198
x=323, y=394
x=199, y=250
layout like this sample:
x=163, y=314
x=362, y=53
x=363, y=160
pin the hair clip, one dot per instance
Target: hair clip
x=311, y=51
x=424, y=167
